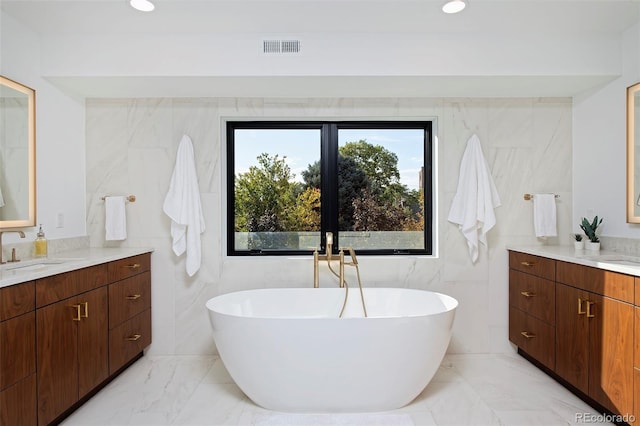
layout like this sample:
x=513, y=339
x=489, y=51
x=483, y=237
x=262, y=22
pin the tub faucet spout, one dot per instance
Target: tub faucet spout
x=340, y=274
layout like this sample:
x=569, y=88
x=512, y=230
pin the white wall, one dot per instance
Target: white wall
x=599, y=147
x=131, y=147
x=60, y=159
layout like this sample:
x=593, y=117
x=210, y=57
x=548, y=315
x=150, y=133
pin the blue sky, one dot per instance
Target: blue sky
x=302, y=147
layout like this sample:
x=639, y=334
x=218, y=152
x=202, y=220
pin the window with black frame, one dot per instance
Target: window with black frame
x=289, y=183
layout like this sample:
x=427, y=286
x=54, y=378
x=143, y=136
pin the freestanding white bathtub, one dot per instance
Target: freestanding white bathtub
x=288, y=350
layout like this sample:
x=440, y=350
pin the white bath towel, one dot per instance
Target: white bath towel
x=476, y=198
x=182, y=205
x=115, y=223
x=544, y=215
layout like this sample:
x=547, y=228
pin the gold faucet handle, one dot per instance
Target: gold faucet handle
x=352, y=254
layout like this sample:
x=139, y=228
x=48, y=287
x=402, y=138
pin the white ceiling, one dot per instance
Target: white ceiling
x=295, y=16
x=508, y=18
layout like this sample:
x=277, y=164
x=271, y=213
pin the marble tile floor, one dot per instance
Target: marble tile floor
x=487, y=389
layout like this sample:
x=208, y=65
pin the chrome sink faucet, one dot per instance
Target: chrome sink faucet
x=2, y=262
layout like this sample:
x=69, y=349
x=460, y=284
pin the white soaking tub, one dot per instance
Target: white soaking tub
x=288, y=350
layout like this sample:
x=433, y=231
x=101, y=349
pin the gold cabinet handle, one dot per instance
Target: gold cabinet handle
x=527, y=334
x=78, y=316
x=134, y=297
x=589, y=314
x=85, y=314
x=527, y=264
x=580, y=311
x=527, y=293
x=134, y=337
x=134, y=266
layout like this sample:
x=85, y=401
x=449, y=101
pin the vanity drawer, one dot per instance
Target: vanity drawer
x=125, y=268
x=129, y=339
x=62, y=286
x=533, y=336
x=17, y=299
x=534, y=265
x=534, y=295
x=128, y=298
x=606, y=283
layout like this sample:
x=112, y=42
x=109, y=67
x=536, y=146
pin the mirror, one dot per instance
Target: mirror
x=17, y=155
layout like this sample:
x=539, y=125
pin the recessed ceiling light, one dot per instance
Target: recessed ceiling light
x=142, y=5
x=454, y=6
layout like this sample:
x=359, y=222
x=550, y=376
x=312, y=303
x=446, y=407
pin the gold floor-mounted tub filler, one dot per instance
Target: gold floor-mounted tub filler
x=340, y=274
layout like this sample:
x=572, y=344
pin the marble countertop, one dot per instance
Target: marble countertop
x=607, y=260
x=32, y=269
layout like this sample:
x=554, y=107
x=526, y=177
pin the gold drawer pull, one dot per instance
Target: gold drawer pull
x=589, y=314
x=134, y=266
x=527, y=334
x=134, y=337
x=527, y=264
x=86, y=310
x=78, y=316
x=580, y=311
x=527, y=293
x=134, y=297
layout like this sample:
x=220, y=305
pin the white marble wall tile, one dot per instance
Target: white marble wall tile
x=240, y=107
x=106, y=159
x=420, y=107
x=510, y=122
x=149, y=123
x=460, y=120
x=512, y=171
x=552, y=155
x=131, y=147
x=199, y=120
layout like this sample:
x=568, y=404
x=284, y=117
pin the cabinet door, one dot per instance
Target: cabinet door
x=572, y=336
x=611, y=353
x=93, y=340
x=57, y=357
x=18, y=403
x=17, y=349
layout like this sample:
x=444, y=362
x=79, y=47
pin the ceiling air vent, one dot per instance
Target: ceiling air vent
x=280, y=46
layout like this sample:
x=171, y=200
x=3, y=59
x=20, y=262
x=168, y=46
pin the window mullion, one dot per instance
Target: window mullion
x=329, y=183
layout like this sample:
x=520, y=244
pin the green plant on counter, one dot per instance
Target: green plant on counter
x=590, y=228
x=577, y=237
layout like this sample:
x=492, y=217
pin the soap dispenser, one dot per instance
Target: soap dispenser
x=40, y=244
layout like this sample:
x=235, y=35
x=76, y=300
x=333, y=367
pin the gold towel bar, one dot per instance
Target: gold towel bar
x=528, y=197
x=130, y=198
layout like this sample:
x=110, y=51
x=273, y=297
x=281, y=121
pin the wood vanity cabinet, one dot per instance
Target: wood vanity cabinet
x=72, y=338
x=587, y=342
x=75, y=320
x=532, y=315
x=594, y=335
x=129, y=309
x=17, y=355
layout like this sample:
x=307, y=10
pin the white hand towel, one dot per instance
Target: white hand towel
x=1, y=199
x=115, y=223
x=544, y=215
x=182, y=205
x=476, y=198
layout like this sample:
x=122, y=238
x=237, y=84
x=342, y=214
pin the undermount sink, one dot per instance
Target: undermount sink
x=36, y=264
x=617, y=259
